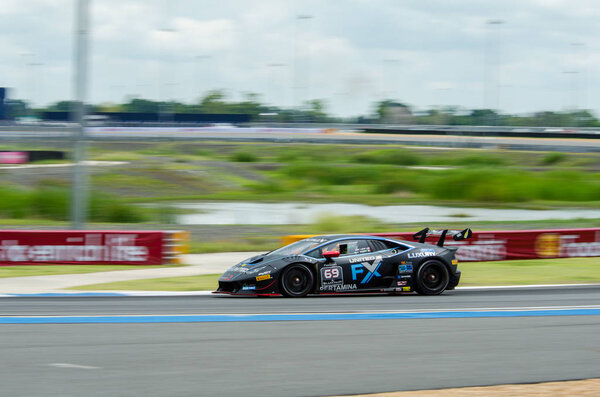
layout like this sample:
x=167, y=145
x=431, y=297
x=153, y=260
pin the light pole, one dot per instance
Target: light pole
x=573, y=88
x=27, y=75
x=79, y=194
x=491, y=94
x=162, y=81
x=582, y=75
x=298, y=86
x=271, y=81
x=385, y=80
x=200, y=59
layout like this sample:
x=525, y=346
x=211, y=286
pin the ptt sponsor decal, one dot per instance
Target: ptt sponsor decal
x=338, y=288
x=331, y=276
x=405, y=269
x=263, y=277
x=423, y=253
x=370, y=264
x=549, y=245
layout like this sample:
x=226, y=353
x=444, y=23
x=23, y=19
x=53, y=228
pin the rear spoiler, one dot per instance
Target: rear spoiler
x=457, y=235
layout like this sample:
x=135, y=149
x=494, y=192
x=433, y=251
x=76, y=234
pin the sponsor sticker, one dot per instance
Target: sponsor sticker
x=405, y=269
x=405, y=289
x=263, y=277
x=337, y=288
x=400, y=283
x=455, y=261
x=249, y=287
x=371, y=264
x=423, y=253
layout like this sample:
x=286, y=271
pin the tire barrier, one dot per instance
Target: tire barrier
x=73, y=247
x=512, y=244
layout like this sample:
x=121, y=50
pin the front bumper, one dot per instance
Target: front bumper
x=248, y=287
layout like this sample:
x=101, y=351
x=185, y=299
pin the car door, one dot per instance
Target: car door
x=356, y=268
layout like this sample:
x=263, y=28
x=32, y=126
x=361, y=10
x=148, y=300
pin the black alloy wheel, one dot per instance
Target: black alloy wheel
x=432, y=278
x=296, y=281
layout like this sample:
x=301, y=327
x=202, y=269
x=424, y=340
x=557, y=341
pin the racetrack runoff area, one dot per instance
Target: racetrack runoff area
x=586, y=387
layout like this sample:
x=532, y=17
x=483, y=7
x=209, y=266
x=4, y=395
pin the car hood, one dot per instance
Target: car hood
x=251, y=266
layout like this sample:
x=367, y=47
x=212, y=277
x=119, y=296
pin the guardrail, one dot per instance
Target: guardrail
x=512, y=244
x=77, y=247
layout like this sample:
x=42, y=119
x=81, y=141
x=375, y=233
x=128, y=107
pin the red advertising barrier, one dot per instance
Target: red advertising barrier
x=26, y=247
x=520, y=244
x=14, y=157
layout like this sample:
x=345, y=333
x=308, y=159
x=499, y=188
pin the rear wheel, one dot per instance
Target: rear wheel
x=297, y=281
x=432, y=278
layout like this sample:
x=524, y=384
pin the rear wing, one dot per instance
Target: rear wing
x=457, y=235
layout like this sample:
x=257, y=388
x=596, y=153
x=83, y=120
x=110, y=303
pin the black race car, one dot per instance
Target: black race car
x=335, y=264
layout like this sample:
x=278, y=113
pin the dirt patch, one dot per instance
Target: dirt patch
x=585, y=388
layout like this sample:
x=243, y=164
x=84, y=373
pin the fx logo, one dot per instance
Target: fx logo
x=372, y=267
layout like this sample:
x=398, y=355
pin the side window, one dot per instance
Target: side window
x=378, y=245
x=382, y=245
x=345, y=247
x=390, y=244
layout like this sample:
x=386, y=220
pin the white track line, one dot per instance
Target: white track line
x=75, y=366
x=492, y=287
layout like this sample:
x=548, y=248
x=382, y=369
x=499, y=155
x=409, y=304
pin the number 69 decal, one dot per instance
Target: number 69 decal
x=331, y=273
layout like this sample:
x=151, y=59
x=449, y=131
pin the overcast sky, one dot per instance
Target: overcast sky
x=351, y=53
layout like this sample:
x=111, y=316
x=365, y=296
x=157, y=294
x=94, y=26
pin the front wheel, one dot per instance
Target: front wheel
x=432, y=278
x=296, y=281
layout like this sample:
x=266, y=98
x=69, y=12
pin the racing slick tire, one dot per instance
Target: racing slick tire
x=432, y=278
x=297, y=280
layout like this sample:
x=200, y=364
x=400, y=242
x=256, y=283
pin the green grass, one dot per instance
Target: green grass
x=50, y=270
x=52, y=202
x=271, y=172
x=534, y=271
x=520, y=272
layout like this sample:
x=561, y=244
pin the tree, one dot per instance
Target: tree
x=16, y=108
x=213, y=102
x=138, y=105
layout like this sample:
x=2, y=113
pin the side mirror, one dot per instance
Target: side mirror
x=331, y=254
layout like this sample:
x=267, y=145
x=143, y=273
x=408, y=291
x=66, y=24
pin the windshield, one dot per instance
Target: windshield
x=298, y=247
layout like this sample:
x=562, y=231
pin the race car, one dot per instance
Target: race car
x=334, y=264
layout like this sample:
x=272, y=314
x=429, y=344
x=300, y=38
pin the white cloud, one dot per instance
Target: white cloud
x=437, y=47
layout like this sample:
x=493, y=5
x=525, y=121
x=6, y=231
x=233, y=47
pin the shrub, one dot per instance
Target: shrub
x=553, y=158
x=243, y=157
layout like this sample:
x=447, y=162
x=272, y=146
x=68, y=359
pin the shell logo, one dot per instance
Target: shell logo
x=547, y=245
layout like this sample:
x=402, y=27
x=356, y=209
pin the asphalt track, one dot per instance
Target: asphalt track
x=277, y=135
x=298, y=358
